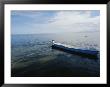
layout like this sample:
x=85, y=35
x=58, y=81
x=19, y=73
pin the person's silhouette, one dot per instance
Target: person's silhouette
x=53, y=42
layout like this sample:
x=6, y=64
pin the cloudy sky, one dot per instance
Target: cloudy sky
x=34, y=22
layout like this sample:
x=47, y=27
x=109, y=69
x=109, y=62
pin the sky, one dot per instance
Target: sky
x=37, y=22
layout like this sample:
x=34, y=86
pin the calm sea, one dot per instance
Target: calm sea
x=32, y=55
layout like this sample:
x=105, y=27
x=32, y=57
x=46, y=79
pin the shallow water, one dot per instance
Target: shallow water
x=32, y=55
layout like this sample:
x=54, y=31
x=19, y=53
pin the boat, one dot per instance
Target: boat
x=77, y=51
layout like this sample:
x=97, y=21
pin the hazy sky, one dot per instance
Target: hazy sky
x=33, y=22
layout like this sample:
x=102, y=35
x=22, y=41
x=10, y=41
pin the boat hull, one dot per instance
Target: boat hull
x=84, y=53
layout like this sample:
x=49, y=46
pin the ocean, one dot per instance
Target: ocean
x=33, y=56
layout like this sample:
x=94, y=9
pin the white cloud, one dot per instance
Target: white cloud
x=71, y=21
x=61, y=21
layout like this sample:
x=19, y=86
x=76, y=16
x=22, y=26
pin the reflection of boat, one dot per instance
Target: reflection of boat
x=70, y=49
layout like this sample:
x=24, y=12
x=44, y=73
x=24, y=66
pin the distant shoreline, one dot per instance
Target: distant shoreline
x=56, y=33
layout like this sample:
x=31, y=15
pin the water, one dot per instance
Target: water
x=32, y=55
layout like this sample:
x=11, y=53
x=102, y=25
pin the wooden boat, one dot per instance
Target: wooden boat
x=81, y=52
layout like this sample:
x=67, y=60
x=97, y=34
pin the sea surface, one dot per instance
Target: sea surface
x=33, y=56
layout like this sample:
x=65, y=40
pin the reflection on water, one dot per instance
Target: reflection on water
x=32, y=55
